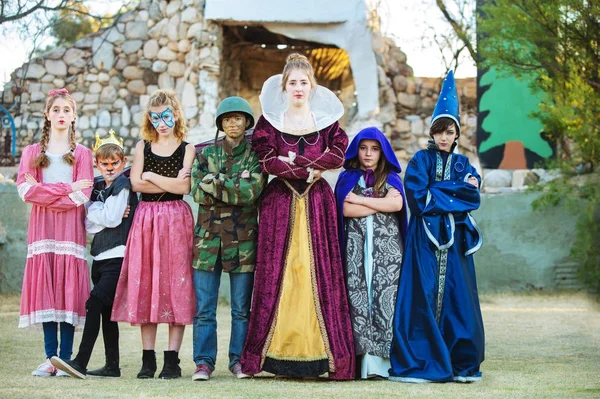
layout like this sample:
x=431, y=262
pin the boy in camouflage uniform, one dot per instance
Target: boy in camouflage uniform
x=226, y=182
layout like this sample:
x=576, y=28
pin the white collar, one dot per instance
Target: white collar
x=324, y=105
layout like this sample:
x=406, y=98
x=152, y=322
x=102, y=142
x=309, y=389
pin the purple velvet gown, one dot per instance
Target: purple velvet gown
x=319, y=150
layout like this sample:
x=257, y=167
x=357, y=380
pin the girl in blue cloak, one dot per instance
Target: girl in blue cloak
x=438, y=328
x=372, y=222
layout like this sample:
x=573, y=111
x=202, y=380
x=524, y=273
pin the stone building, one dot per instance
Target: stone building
x=206, y=50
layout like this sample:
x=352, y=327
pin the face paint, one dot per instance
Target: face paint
x=234, y=125
x=166, y=116
x=110, y=168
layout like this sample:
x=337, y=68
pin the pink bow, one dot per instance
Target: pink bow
x=58, y=92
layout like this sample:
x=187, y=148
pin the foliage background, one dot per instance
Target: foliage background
x=557, y=42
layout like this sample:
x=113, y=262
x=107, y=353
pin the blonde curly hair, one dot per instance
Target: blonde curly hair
x=160, y=98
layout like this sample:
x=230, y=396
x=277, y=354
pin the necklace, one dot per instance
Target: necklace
x=300, y=122
x=300, y=138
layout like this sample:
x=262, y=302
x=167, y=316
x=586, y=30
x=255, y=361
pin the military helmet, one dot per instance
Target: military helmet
x=234, y=104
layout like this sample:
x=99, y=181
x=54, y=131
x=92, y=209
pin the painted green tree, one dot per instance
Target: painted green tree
x=510, y=103
x=553, y=44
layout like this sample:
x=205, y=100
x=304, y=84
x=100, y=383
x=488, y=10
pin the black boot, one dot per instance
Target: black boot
x=108, y=372
x=171, y=367
x=71, y=367
x=148, y=364
x=111, y=368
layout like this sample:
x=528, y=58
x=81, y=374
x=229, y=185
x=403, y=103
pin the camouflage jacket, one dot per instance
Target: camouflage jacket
x=228, y=198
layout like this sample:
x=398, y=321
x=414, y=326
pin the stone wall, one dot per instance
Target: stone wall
x=111, y=74
x=523, y=249
x=407, y=102
x=13, y=236
x=169, y=45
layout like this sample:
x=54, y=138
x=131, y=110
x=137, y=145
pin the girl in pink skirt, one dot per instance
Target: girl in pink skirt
x=156, y=283
x=55, y=176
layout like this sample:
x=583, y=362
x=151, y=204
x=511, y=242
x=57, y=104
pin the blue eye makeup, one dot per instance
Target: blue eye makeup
x=166, y=116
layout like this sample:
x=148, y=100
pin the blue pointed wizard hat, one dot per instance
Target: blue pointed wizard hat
x=448, y=102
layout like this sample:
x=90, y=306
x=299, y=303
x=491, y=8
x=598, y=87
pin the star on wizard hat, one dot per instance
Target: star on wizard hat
x=448, y=103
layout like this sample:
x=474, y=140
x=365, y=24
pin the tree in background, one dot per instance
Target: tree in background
x=461, y=16
x=67, y=26
x=43, y=25
x=13, y=11
x=557, y=42
x=555, y=45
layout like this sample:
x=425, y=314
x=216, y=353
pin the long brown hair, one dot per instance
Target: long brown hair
x=381, y=172
x=42, y=160
x=298, y=61
x=164, y=97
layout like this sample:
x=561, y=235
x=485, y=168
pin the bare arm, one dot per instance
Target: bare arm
x=176, y=185
x=392, y=202
x=357, y=211
x=139, y=185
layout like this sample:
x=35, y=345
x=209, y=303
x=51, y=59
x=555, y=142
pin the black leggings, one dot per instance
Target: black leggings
x=105, y=275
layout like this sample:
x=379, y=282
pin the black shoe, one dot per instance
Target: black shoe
x=71, y=367
x=148, y=364
x=105, y=372
x=171, y=367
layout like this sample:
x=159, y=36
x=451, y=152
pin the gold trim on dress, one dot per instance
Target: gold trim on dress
x=274, y=322
x=295, y=358
x=296, y=193
x=316, y=295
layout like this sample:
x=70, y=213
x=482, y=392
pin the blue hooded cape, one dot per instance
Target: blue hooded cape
x=350, y=177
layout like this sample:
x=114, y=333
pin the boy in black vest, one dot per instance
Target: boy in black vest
x=109, y=216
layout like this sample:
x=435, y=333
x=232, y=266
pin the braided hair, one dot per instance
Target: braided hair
x=42, y=160
x=69, y=158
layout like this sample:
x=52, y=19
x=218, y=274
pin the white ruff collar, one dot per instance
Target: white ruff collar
x=325, y=107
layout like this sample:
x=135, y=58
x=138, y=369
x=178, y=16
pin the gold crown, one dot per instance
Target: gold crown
x=110, y=139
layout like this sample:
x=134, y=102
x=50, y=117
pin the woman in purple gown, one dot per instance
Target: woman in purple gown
x=299, y=323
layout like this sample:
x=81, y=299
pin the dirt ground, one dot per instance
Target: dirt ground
x=537, y=346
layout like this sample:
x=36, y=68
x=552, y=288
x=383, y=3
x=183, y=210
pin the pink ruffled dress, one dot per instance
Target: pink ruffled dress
x=156, y=283
x=56, y=283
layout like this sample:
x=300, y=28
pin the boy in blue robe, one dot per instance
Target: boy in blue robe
x=438, y=328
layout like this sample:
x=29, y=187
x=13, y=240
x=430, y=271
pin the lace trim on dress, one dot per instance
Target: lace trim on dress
x=56, y=247
x=23, y=189
x=78, y=197
x=58, y=316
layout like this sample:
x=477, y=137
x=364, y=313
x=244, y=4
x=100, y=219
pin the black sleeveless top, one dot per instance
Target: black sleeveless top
x=164, y=166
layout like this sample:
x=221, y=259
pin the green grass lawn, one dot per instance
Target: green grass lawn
x=538, y=346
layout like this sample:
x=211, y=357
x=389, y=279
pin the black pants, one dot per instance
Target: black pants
x=105, y=275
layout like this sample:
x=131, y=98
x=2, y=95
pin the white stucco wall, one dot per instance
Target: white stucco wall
x=304, y=11
x=342, y=23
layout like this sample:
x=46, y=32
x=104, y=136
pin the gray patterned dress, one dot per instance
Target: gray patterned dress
x=372, y=280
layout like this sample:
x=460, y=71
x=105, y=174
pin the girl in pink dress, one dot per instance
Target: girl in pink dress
x=55, y=176
x=156, y=283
